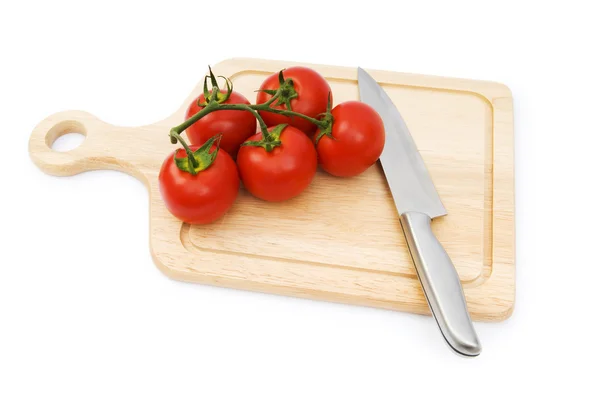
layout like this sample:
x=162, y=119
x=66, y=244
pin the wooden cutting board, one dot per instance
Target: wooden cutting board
x=341, y=239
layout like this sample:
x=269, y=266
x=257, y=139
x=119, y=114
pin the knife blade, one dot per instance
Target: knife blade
x=417, y=203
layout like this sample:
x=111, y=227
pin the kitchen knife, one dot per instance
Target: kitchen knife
x=418, y=202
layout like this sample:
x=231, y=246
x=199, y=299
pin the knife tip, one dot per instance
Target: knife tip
x=361, y=72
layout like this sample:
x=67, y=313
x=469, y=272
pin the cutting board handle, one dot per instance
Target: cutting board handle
x=104, y=146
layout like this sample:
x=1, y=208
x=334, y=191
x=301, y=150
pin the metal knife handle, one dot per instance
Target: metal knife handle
x=441, y=284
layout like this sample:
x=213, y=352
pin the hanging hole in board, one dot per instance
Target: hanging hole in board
x=68, y=142
x=66, y=136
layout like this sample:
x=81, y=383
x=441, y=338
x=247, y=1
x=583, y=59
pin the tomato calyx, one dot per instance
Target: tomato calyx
x=200, y=159
x=270, y=140
x=327, y=123
x=215, y=95
x=285, y=93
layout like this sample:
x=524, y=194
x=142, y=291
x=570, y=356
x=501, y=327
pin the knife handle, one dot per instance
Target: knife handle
x=440, y=283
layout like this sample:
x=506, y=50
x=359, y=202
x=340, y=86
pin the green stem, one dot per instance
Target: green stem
x=244, y=107
x=265, y=107
x=286, y=112
x=211, y=107
x=272, y=99
x=188, y=151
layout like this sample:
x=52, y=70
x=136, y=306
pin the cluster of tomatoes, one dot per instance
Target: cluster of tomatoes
x=298, y=131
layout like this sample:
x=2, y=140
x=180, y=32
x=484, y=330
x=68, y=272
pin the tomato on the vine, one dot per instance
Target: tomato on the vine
x=205, y=196
x=279, y=168
x=355, y=141
x=235, y=125
x=307, y=95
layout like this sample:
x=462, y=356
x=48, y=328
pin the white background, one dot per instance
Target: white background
x=85, y=313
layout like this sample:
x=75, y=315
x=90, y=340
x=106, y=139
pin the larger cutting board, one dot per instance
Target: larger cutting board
x=341, y=239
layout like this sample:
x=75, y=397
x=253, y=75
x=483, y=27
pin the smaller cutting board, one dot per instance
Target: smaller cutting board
x=341, y=239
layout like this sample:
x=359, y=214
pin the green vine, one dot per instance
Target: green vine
x=214, y=100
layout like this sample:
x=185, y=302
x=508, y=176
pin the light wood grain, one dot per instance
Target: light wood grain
x=340, y=240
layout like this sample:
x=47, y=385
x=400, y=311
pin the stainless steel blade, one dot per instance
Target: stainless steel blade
x=406, y=173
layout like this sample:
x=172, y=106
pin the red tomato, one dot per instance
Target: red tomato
x=201, y=198
x=284, y=172
x=312, y=90
x=358, y=139
x=236, y=126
